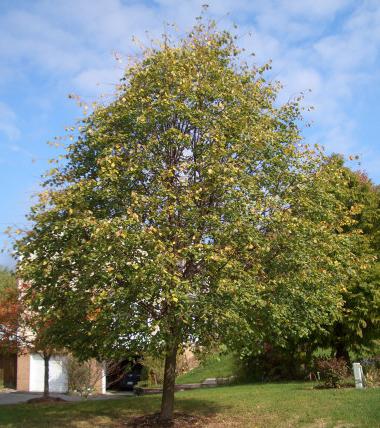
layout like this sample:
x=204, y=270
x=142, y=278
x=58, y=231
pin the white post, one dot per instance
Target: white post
x=358, y=375
x=104, y=377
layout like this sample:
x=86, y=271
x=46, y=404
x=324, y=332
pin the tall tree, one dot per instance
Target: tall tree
x=174, y=198
x=358, y=324
x=355, y=326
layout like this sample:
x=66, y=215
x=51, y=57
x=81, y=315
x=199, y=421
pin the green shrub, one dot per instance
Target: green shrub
x=82, y=376
x=274, y=364
x=333, y=371
x=372, y=377
x=371, y=369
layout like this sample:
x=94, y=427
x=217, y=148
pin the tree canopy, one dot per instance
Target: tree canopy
x=357, y=326
x=188, y=210
x=354, y=328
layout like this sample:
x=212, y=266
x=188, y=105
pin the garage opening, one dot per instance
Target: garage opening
x=124, y=375
x=8, y=370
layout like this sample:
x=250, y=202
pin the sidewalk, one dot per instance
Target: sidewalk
x=15, y=397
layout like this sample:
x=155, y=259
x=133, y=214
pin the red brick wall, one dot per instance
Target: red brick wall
x=23, y=372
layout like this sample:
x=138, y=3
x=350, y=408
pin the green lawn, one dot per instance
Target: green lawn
x=256, y=405
x=216, y=366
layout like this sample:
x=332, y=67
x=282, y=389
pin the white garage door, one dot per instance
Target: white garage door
x=57, y=373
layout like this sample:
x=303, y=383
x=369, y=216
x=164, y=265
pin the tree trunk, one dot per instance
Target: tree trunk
x=46, y=375
x=341, y=352
x=167, y=403
x=339, y=344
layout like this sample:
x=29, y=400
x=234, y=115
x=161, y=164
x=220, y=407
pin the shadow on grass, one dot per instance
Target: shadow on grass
x=105, y=413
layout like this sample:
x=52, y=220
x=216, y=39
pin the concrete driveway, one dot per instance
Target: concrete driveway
x=15, y=397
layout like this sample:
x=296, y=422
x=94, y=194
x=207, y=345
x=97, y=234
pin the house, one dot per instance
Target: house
x=30, y=374
x=28, y=368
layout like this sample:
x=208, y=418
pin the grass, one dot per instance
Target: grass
x=255, y=405
x=216, y=366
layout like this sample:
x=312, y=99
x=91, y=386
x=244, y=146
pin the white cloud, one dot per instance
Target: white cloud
x=16, y=148
x=33, y=40
x=97, y=80
x=8, y=122
x=312, y=8
x=72, y=41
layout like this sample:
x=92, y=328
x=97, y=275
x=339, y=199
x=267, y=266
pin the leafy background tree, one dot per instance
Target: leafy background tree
x=184, y=213
x=8, y=322
x=7, y=280
x=354, y=329
x=357, y=328
x=9, y=310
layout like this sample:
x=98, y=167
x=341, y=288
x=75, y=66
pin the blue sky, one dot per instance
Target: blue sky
x=49, y=49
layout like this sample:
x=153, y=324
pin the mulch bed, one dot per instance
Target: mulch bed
x=179, y=420
x=44, y=400
x=341, y=386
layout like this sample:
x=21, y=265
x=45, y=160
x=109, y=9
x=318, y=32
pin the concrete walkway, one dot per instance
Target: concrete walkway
x=15, y=397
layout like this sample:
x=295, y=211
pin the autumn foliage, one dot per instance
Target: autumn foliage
x=9, y=312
